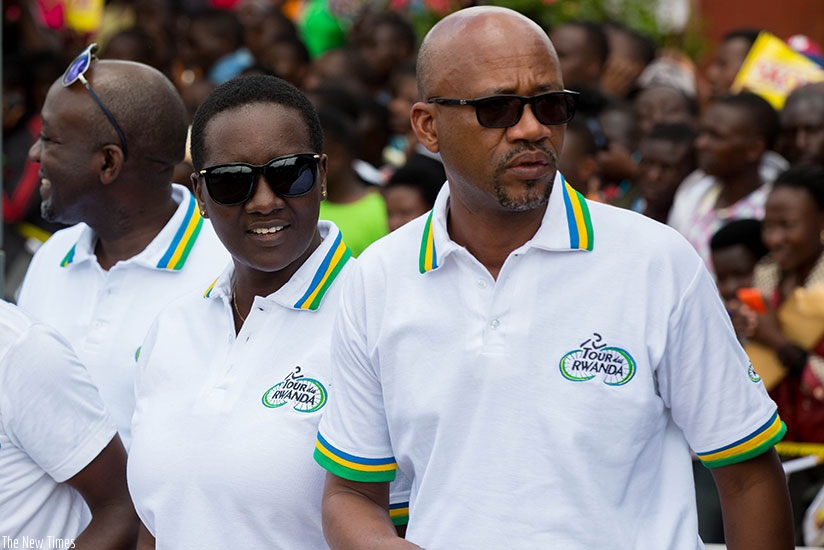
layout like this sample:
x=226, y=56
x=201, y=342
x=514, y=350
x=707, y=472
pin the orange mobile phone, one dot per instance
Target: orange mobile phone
x=752, y=298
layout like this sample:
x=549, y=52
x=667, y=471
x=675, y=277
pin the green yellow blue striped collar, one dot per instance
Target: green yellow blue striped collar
x=567, y=225
x=335, y=256
x=176, y=253
x=334, y=260
x=578, y=218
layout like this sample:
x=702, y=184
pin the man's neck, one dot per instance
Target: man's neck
x=127, y=233
x=492, y=238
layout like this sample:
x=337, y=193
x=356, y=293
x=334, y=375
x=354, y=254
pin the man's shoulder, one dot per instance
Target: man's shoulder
x=620, y=231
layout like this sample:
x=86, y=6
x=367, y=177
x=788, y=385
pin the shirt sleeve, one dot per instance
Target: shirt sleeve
x=353, y=437
x=51, y=408
x=708, y=382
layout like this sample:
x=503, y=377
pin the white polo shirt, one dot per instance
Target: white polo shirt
x=225, y=425
x=52, y=425
x=553, y=407
x=105, y=314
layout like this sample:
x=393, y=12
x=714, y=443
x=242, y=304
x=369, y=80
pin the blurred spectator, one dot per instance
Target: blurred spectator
x=387, y=40
x=287, y=58
x=357, y=208
x=134, y=44
x=372, y=135
x=735, y=249
x=729, y=56
x=734, y=143
x=630, y=52
x=26, y=80
x=667, y=158
x=578, y=162
x=791, y=330
x=339, y=64
x=369, y=121
x=403, y=93
x=263, y=25
x=802, y=124
x=159, y=18
x=664, y=105
x=412, y=189
x=791, y=280
x=617, y=158
x=213, y=46
x=583, y=50
x=672, y=68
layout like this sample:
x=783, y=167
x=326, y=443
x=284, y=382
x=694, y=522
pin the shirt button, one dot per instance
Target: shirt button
x=495, y=324
x=481, y=283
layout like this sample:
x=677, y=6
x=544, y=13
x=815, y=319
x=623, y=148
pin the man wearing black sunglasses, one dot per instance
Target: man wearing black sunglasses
x=538, y=365
x=112, y=134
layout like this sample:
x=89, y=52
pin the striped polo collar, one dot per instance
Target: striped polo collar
x=170, y=248
x=567, y=225
x=310, y=283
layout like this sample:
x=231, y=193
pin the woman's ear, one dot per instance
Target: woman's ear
x=197, y=189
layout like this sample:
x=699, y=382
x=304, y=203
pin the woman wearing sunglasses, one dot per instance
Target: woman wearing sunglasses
x=232, y=382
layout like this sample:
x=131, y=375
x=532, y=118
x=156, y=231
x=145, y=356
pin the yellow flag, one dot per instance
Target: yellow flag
x=772, y=70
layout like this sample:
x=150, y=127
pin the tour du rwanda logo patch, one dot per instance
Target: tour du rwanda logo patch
x=614, y=366
x=753, y=375
x=305, y=395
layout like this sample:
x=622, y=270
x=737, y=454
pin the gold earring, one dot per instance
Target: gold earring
x=323, y=193
x=202, y=212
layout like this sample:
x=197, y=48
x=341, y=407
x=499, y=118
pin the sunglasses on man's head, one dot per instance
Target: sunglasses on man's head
x=75, y=72
x=505, y=110
x=288, y=176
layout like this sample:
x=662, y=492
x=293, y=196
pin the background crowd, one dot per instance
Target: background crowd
x=740, y=177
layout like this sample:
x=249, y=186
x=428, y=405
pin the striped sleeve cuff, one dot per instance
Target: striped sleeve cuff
x=399, y=513
x=353, y=468
x=748, y=447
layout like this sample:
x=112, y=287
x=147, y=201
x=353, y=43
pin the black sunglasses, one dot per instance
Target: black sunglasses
x=75, y=72
x=505, y=110
x=288, y=176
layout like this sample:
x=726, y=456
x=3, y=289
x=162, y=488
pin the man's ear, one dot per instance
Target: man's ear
x=111, y=163
x=424, y=125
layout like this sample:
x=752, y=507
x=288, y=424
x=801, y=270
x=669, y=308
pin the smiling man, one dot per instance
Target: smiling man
x=112, y=133
x=538, y=365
